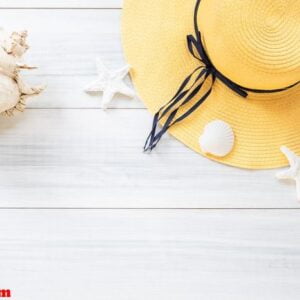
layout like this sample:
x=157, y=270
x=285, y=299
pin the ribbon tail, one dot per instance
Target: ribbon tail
x=180, y=94
x=154, y=136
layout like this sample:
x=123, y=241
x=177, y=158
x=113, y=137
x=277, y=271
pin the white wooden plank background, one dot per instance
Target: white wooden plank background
x=65, y=152
x=218, y=255
x=91, y=158
x=61, y=4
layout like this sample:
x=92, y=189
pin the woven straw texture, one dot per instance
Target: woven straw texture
x=255, y=43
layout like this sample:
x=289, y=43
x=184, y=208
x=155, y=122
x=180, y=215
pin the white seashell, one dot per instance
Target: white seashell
x=217, y=139
x=13, y=91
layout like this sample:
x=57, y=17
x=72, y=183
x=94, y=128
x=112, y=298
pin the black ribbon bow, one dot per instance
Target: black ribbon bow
x=191, y=86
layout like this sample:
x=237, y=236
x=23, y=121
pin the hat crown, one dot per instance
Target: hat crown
x=254, y=43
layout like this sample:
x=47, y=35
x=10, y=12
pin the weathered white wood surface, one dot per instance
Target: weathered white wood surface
x=67, y=42
x=83, y=157
x=91, y=158
x=61, y=4
x=118, y=255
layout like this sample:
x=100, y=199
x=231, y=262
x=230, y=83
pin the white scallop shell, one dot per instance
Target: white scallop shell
x=217, y=139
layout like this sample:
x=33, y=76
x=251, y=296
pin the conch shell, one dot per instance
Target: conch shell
x=13, y=91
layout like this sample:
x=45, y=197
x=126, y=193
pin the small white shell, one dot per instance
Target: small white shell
x=217, y=139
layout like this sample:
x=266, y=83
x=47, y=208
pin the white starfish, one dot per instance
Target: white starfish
x=110, y=83
x=293, y=172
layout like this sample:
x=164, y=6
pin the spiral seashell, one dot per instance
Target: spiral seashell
x=13, y=90
x=217, y=139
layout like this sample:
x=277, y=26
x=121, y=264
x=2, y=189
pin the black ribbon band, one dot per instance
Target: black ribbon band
x=191, y=86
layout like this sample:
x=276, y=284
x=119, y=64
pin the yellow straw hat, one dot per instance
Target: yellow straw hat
x=238, y=61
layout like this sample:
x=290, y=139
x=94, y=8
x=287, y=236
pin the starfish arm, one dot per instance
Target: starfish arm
x=287, y=174
x=298, y=188
x=108, y=96
x=95, y=86
x=126, y=90
x=291, y=156
x=122, y=72
x=294, y=171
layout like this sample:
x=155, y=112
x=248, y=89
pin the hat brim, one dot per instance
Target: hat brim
x=154, y=40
